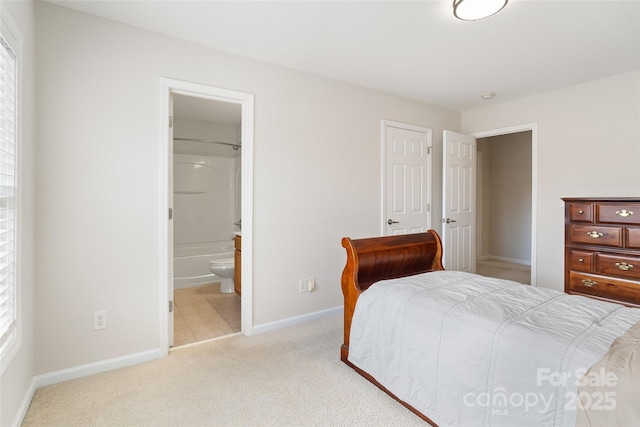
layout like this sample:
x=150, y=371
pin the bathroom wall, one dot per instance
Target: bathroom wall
x=238, y=169
x=198, y=129
x=238, y=192
x=205, y=177
x=203, y=199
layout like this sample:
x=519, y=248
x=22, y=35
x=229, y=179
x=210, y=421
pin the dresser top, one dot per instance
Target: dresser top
x=602, y=199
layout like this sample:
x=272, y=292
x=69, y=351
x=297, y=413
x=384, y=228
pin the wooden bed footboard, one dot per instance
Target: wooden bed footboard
x=379, y=258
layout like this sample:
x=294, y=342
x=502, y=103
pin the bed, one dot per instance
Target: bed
x=460, y=349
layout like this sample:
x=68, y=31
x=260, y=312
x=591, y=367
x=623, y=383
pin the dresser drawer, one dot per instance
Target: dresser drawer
x=627, y=213
x=581, y=260
x=618, y=265
x=633, y=237
x=581, y=212
x=605, y=287
x=596, y=235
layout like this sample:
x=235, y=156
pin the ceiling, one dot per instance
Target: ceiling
x=415, y=49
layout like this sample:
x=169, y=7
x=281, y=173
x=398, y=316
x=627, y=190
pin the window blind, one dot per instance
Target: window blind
x=7, y=194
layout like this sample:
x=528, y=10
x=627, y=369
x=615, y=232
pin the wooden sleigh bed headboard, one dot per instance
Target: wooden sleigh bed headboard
x=379, y=258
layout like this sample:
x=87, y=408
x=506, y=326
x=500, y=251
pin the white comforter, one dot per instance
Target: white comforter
x=466, y=350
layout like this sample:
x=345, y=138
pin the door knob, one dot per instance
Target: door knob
x=448, y=220
x=392, y=222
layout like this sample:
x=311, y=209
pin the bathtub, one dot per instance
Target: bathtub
x=191, y=262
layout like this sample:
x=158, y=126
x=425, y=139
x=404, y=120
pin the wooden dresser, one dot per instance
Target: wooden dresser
x=602, y=248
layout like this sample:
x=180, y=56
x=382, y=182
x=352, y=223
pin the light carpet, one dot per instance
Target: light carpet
x=290, y=377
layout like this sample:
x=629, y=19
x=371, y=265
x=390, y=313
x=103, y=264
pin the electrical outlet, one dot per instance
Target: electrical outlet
x=99, y=320
x=303, y=286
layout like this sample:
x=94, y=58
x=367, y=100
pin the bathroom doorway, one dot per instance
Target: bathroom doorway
x=207, y=178
x=209, y=175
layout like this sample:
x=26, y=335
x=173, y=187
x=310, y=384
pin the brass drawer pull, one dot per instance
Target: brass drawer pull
x=594, y=234
x=580, y=211
x=624, y=266
x=624, y=213
x=588, y=282
x=580, y=259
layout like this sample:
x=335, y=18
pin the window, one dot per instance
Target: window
x=8, y=192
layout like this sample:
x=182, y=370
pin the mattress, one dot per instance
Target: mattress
x=467, y=350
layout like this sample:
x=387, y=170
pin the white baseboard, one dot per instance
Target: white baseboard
x=97, y=367
x=504, y=259
x=24, y=405
x=291, y=321
x=145, y=356
x=79, y=372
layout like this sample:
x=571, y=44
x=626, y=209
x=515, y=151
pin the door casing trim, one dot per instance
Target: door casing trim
x=246, y=100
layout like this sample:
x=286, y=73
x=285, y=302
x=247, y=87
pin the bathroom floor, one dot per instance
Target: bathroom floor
x=202, y=313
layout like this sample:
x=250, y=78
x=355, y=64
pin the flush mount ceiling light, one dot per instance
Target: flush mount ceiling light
x=472, y=10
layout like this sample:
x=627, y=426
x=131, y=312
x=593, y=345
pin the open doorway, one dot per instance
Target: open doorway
x=460, y=199
x=239, y=169
x=207, y=179
x=505, y=206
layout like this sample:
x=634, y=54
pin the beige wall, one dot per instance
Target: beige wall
x=18, y=374
x=588, y=139
x=97, y=178
x=317, y=179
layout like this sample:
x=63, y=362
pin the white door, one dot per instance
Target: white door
x=170, y=225
x=407, y=179
x=459, y=202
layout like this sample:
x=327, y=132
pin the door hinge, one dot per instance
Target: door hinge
x=428, y=150
x=170, y=306
x=170, y=213
x=170, y=121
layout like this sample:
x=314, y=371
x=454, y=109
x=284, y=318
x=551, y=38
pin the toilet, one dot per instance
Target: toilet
x=224, y=269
